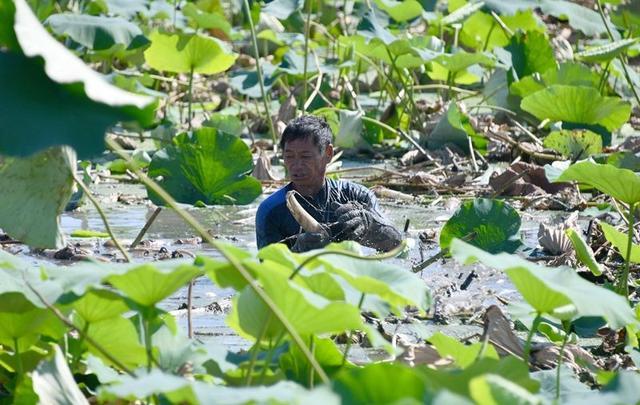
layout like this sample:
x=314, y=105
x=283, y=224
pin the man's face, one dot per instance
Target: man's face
x=305, y=164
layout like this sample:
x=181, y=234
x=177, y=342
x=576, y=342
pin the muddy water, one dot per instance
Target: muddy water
x=455, y=304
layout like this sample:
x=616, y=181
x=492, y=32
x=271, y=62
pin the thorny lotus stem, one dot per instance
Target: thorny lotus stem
x=235, y=263
x=265, y=101
x=307, y=32
x=527, y=345
x=623, y=282
x=382, y=256
x=87, y=192
x=306, y=221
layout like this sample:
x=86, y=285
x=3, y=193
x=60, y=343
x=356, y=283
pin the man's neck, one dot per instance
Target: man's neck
x=308, y=190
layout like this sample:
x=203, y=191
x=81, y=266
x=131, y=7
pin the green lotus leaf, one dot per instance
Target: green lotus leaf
x=207, y=166
x=400, y=10
x=229, y=124
x=35, y=191
x=574, y=145
x=619, y=240
x=308, y=313
x=98, y=305
x=97, y=33
x=531, y=53
x=127, y=8
x=54, y=383
x=21, y=319
x=580, y=17
x=569, y=73
x=7, y=36
x=491, y=225
x=296, y=366
x=494, y=389
x=183, y=53
x=148, y=284
x=578, y=105
x=378, y=383
x=222, y=273
x=63, y=102
x=119, y=337
x=477, y=31
x=374, y=28
x=459, y=61
x=205, y=20
x=464, y=355
x=621, y=184
x=584, y=252
x=560, y=292
x=246, y=81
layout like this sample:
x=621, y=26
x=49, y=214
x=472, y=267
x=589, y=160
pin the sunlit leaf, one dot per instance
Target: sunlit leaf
x=98, y=305
x=494, y=389
x=54, y=383
x=207, y=20
x=480, y=31
x=464, y=355
x=584, y=252
x=621, y=184
x=400, y=10
x=118, y=336
x=577, y=104
x=531, y=52
x=560, y=292
x=620, y=240
x=282, y=9
x=183, y=53
x=574, y=145
x=605, y=53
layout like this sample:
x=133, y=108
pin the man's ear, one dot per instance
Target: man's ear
x=328, y=153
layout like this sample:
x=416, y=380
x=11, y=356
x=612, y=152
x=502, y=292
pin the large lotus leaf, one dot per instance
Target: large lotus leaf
x=560, y=292
x=297, y=368
x=459, y=61
x=391, y=283
x=20, y=318
x=207, y=166
x=180, y=390
x=477, y=31
x=7, y=36
x=574, y=145
x=455, y=128
x=35, y=191
x=282, y=9
x=494, y=389
x=621, y=184
x=64, y=103
x=246, y=81
x=531, y=52
x=119, y=337
x=491, y=225
x=400, y=10
x=578, y=105
x=127, y=8
x=620, y=240
x=210, y=21
x=222, y=273
x=308, y=313
x=149, y=284
x=97, y=32
x=183, y=53
x=98, y=305
x=17, y=276
x=293, y=64
x=379, y=383
x=54, y=383
x=571, y=74
x=583, y=252
x=464, y=355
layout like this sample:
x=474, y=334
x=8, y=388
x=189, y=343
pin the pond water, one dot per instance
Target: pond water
x=459, y=305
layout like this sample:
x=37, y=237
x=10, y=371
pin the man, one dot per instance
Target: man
x=348, y=210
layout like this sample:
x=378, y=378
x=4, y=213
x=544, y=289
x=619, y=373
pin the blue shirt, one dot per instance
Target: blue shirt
x=274, y=221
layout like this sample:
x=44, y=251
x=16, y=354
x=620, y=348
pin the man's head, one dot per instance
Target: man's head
x=307, y=149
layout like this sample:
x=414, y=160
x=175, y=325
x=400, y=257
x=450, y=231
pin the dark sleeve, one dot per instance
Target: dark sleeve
x=267, y=232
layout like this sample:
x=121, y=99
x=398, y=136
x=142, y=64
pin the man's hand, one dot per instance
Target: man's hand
x=353, y=222
x=309, y=241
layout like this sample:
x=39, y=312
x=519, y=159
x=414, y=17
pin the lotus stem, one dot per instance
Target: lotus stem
x=350, y=338
x=16, y=354
x=265, y=100
x=87, y=192
x=306, y=221
x=235, y=263
x=307, y=33
x=527, y=345
x=145, y=228
x=623, y=282
x=190, y=102
x=567, y=327
x=256, y=349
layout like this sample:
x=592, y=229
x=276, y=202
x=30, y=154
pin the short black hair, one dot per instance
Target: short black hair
x=308, y=126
